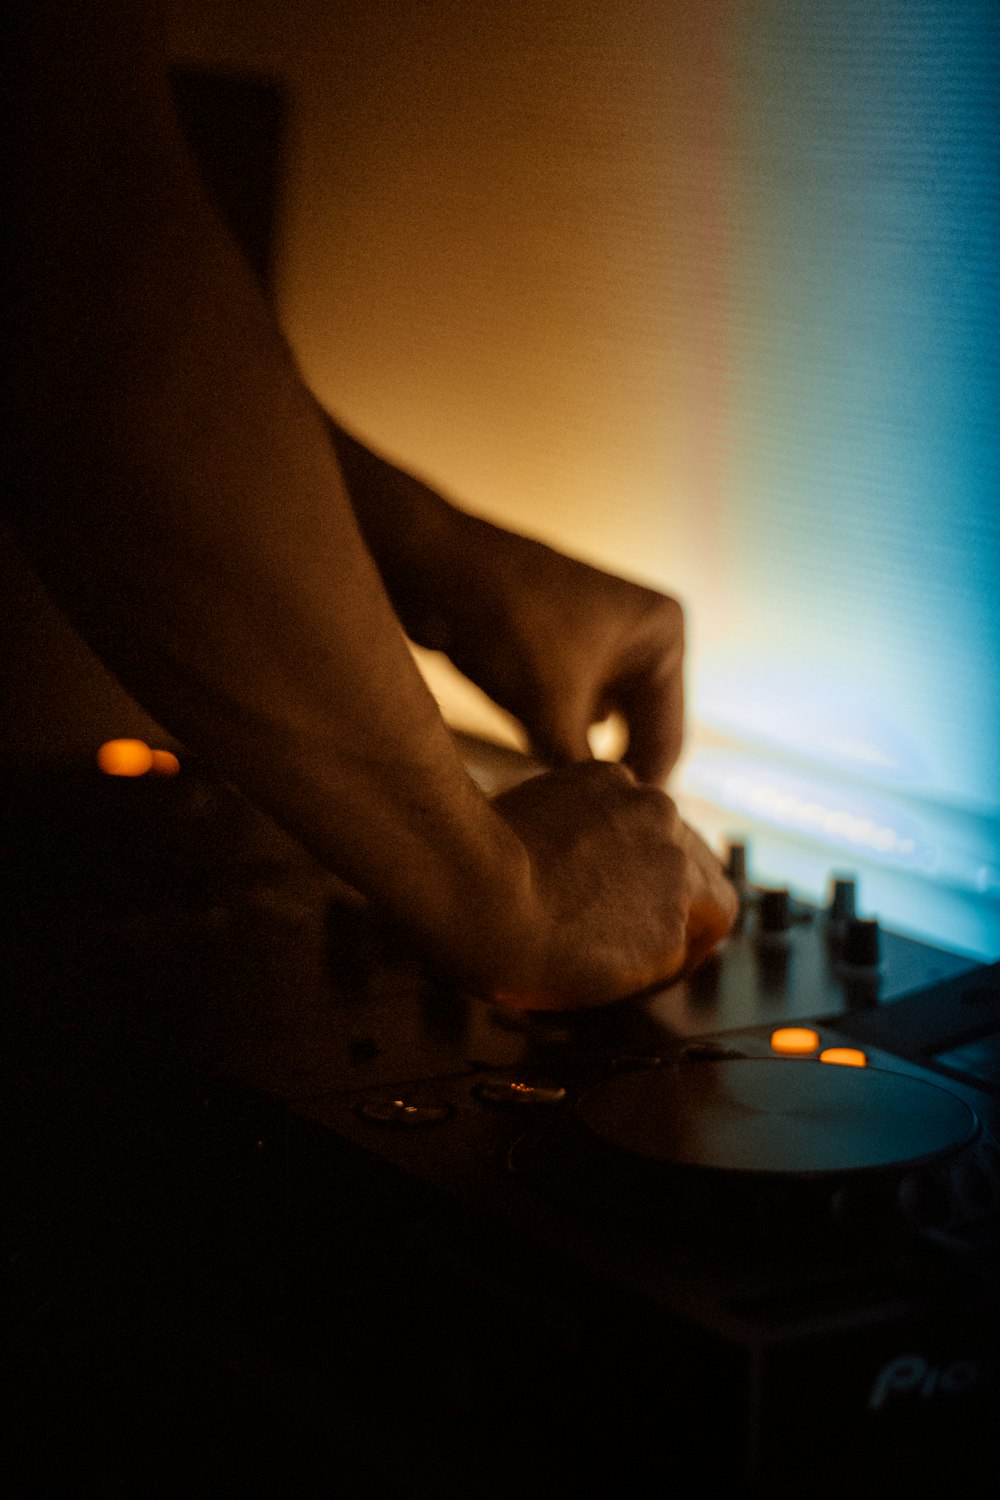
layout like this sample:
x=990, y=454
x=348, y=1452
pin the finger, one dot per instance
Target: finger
x=653, y=710
x=559, y=735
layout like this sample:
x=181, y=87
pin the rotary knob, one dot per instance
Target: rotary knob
x=861, y=943
x=736, y=864
x=843, y=902
x=774, y=912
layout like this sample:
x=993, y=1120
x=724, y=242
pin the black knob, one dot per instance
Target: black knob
x=736, y=864
x=775, y=912
x=861, y=943
x=843, y=896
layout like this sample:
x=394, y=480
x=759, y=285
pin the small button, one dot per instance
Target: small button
x=847, y=1057
x=515, y=1092
x=795, y=1041
x=406, y=1113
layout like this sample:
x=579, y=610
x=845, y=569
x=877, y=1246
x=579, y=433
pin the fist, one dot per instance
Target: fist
x=625, y=896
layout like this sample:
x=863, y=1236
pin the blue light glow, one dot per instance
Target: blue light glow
x=858, y=548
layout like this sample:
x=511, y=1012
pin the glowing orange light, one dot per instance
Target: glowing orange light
x=794, y=1041
x=849, y=1057
x=125, y=758
x=164, y=763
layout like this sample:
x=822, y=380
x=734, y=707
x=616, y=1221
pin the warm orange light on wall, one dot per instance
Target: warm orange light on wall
x=125, y=757
x=794, y=1041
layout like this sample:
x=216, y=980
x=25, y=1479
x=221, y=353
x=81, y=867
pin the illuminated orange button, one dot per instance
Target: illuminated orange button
x=849, y=1057
x=164, y=763
x=794, y=1041
x=125, y=758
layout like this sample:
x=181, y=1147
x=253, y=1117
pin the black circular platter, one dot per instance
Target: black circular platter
x=767, y=1148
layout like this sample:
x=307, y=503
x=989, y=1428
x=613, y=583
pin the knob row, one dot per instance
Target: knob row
x=856, y=939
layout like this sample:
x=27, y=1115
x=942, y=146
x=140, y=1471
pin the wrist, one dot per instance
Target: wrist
x=420, y=840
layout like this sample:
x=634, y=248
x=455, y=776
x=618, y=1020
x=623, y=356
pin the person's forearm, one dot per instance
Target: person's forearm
x=177, y=489
x=409, y=529
x=178, y=493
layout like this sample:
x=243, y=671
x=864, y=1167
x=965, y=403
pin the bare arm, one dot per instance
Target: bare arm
x=177, y=491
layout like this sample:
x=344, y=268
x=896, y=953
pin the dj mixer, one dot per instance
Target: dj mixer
x=750, y=1222
x=768, y=1244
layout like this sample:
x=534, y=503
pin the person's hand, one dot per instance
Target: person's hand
x=562, y=645
x=625, y=896
x=558, y=644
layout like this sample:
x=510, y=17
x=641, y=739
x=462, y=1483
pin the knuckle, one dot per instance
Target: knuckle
x=615, y=775
x=668, y=615
x=664, y=809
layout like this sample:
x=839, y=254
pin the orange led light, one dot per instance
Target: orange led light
x=125, y=758
x=164, y=763
x=794, y=1041
x=848, y=1057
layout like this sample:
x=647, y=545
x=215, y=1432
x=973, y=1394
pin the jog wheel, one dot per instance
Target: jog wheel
x=759, y=1150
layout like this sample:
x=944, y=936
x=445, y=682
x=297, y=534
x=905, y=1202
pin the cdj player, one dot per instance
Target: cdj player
x=745, y=1226
x=768, y=1246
